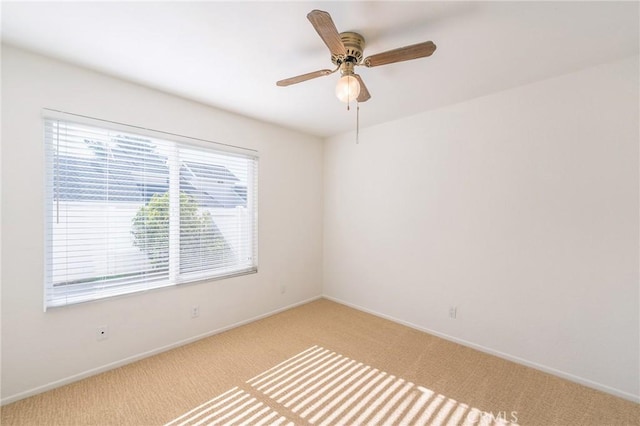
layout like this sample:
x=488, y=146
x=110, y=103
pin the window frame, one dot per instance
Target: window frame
x=176, y=277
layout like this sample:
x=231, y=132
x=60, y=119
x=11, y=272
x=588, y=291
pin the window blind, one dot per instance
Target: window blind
x=128, y=212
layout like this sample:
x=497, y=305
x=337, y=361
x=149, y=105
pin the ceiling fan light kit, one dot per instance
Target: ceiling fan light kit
x=347, y=52
x=347, y=89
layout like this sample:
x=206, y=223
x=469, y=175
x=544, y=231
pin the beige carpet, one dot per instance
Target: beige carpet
x=323, y=388
x=257, y=373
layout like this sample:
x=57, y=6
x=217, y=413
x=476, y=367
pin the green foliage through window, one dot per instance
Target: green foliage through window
x=201, y=242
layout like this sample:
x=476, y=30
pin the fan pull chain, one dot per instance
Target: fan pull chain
x=357, y=122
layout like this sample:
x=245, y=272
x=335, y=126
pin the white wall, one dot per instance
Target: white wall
x=41, y=350
x=519, y=208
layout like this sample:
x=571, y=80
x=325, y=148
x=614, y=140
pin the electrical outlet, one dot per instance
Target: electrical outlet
x=195, y=311
x=453, y=312
x=102, y=332
x=283, y=289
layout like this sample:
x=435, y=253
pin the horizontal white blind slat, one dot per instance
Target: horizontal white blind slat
x=129, y=212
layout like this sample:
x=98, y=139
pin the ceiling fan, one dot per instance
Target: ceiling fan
x=346, y=53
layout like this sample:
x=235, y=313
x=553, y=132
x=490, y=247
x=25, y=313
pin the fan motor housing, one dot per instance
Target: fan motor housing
x=354, y=45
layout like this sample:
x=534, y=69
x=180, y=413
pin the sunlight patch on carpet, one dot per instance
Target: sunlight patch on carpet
x=321, y=387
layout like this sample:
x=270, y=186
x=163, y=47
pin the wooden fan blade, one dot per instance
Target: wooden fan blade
x=303, y=77
x=364, y=93
x=327, y=31
x=406, y=53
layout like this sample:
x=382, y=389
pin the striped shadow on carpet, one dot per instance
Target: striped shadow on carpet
x=321, y=387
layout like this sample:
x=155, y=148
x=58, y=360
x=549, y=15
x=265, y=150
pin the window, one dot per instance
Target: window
x=130, y=210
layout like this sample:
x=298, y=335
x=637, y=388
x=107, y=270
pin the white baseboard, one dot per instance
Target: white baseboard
x=134, y=358
x=516, y=359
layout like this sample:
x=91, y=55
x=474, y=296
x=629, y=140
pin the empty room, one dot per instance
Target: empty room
x=320, y=213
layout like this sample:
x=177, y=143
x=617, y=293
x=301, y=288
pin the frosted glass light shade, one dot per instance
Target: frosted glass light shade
x=348, y=88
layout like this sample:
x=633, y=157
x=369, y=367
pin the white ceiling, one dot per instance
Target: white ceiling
x=230, y=54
